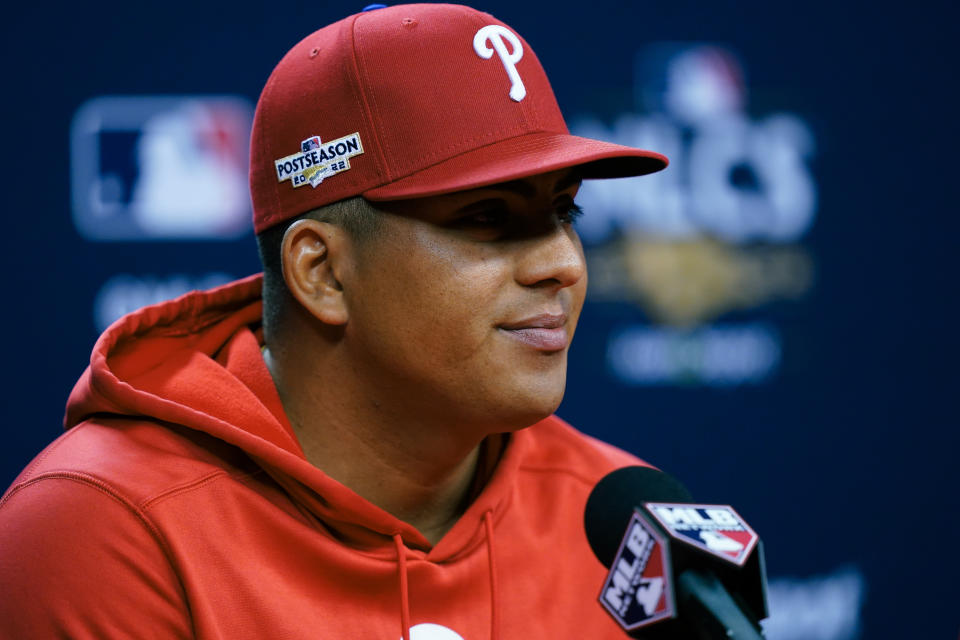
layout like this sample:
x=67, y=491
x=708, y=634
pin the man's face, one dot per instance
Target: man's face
x=463, y=307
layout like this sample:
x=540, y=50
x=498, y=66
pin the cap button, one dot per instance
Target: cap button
x=373, y=7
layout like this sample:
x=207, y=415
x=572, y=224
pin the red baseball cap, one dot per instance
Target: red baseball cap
x=412, y=101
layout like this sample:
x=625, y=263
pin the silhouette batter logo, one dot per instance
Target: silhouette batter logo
x=161, y=168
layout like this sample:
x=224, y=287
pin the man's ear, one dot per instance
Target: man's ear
x=312, y=255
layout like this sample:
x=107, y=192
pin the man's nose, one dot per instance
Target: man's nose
x=552, y=258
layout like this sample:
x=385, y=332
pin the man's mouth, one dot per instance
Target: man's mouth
x=544, y=332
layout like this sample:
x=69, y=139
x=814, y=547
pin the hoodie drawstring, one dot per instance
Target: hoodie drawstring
x=404, y=588
x=494, y=605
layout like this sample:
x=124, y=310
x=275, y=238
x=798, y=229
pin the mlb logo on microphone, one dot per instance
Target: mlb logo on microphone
x=161, y=168
x=716, y=529
x=637, y=591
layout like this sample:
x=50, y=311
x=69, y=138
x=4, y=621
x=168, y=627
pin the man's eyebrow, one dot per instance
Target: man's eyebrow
x=524, y=189
x=568, y=181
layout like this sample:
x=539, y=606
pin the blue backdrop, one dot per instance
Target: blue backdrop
x=770, y=320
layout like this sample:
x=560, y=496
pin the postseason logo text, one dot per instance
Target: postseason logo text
x=317, y=161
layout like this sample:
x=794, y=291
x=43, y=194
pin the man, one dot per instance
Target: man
x=351, y=455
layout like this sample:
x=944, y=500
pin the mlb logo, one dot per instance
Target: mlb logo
x=161, y=168
x=638, y=591
x=310, y=144
x=716, y=529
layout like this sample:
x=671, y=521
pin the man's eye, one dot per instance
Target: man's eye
x=569, y=213
x=491, y=218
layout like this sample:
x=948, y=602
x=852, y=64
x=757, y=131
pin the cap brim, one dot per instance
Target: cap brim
x=520, y=157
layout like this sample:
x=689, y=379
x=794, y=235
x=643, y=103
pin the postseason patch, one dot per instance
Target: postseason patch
x=318, y=160
x=716, y=529
x=637, y=590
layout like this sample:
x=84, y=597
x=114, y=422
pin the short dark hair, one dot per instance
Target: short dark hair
x=360, y=219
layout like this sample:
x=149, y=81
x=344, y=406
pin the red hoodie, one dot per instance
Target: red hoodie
x=179, y=504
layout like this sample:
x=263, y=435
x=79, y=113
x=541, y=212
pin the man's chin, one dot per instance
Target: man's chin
x=533, y=412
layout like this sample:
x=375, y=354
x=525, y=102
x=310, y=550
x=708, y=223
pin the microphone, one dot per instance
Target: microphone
x=678, y=570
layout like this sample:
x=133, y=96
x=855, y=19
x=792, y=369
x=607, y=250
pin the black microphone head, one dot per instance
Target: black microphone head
x=611, y=504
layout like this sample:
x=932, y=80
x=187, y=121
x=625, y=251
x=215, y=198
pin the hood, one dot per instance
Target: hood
x=195, y=361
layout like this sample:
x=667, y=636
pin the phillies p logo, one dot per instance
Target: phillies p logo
x=495, y=34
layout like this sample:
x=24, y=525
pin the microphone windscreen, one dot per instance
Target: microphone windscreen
x=611, y=504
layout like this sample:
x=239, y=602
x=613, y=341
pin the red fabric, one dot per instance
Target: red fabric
x=433, y=116
x=178, y=504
